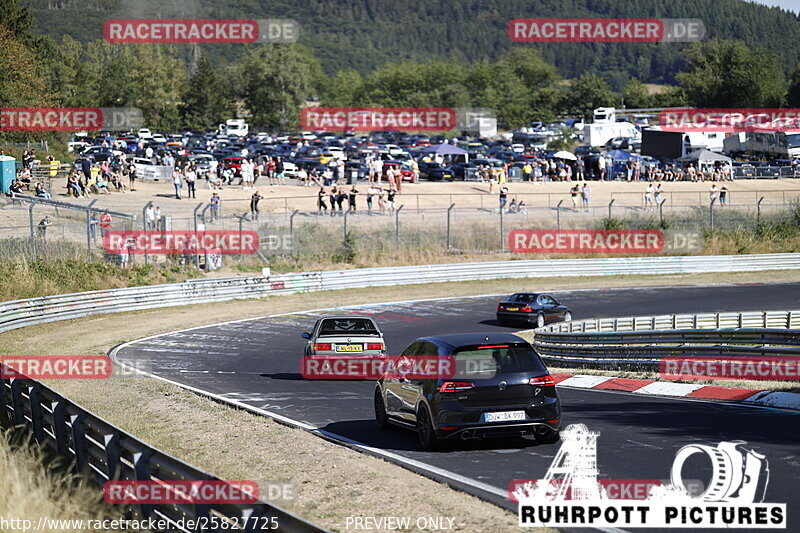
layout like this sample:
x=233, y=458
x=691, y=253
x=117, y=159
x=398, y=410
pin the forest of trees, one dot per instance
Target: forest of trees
x=197, y=87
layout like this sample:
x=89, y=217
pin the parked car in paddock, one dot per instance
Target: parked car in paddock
x=510, y=395
x=531, y=308
x=344, y=335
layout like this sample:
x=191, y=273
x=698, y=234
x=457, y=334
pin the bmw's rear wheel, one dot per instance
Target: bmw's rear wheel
x=540, y=320
x=427, y=438
x=381, y=418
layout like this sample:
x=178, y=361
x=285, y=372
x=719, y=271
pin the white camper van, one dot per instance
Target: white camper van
x=235, y=127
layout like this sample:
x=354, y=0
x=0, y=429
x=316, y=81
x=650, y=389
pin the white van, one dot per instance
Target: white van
x=235, y=127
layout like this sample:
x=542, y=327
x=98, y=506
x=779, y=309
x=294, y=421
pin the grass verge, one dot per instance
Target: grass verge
x=333, y=482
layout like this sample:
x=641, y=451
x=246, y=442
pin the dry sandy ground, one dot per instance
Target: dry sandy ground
x=332, y=482
x=426, y=195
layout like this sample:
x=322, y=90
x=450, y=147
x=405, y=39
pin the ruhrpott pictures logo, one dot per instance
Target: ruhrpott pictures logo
x=733, y=498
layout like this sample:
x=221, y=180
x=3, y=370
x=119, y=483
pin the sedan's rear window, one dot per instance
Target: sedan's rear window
x=338, y=326
x=523, y=297
x=501, y=358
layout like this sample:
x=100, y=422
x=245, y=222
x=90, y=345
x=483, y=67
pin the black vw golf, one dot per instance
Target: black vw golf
x=498, y=387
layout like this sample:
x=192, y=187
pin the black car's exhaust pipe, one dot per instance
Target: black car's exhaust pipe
x=541, y=430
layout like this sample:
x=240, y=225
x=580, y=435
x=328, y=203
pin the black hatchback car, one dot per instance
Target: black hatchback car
x=531, y=308
x=500, y=388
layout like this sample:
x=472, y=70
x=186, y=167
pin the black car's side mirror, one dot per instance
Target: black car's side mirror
x=306, y=335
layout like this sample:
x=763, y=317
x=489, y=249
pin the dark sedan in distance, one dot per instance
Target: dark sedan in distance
x=531, y=308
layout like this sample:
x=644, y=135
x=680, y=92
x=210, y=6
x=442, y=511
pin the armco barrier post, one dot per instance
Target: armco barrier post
x=449, y=209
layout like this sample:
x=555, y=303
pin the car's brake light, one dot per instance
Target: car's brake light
x=323, y=346
x=500, y=307
x=542, y=381
x=374, y=346
x=455, y=386
x=493, y=346
x=527, y=309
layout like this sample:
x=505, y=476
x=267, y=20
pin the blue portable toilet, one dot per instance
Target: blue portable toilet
x=7, y=172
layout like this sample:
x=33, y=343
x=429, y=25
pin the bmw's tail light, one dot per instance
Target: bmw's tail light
x=527, y=309
x=455, y=386
x=374, y=346
x=500, y=307
x=542, y=381
x=323, y=347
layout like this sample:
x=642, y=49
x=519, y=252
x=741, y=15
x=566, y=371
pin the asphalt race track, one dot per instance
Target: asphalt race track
x=256, y=362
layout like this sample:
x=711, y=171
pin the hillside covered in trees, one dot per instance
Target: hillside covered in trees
x=364, y=34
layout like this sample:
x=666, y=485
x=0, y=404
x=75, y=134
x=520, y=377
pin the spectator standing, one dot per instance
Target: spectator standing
x=321, y=206
x=390, y=199
x=574, y=193
x=585, y=196
x=503, y=197
x=105, y=224
x=279, y=172
x=215, y=203
x=93, y=222
x=191, y=178
x=527, y=171
x=150, y=217
x=42, y=227
x=352, y=198
x=340, y=198
x=254, y=199
x=659, y=198
x=158, y=217
x=601, y=167
x=723, y=195
x=371, y=192
x=713, y=193
x=334, y=193
x=177, y=183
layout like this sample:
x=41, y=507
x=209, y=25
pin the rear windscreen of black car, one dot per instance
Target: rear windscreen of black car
x=498, y=359
x=524, y=298
x=343, y=326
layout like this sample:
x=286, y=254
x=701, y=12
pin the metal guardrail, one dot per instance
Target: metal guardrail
x=641, y=342
x=104, y=453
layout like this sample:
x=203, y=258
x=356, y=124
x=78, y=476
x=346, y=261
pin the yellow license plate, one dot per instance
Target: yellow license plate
x=350, y=348
x=512, y=308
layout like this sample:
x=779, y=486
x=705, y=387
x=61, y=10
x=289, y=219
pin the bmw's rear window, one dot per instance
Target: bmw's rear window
x=523, y=297
x=341, y=326
x=500, y=358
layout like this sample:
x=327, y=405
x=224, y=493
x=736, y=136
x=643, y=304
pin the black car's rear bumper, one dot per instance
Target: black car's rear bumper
x=499, y=430
x=511, y=316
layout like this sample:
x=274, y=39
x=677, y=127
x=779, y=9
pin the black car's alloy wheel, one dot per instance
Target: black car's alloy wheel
x=540, y=321
x=427, y=439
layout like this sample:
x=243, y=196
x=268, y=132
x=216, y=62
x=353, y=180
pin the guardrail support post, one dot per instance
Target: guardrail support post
x=89, y=232
x=144, y=223
x=397, y=225
x=36, y=413
x=141, y=470
x=558, y=215
x=59, y=409
x=449, y=209
x=291, y=232
x=111, y=445
x=611, y=203
x=17, y=402
x=79, y=442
